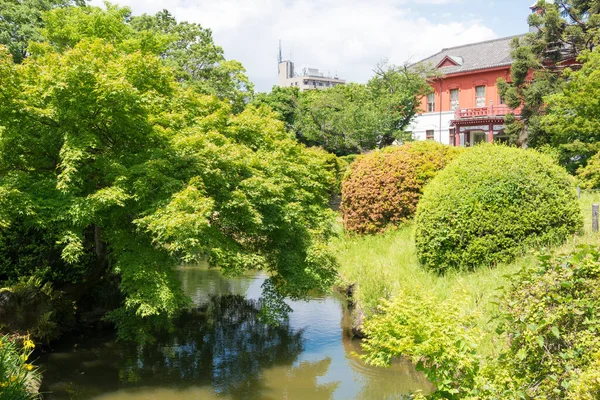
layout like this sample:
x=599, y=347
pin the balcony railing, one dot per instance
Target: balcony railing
x=483, y=112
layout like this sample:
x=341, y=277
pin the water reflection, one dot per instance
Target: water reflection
x=220, y=350
x=201, y=283
x=290, y=383
x=223, y=346
x=299, y=382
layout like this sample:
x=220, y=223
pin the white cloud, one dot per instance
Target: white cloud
x=348, y=37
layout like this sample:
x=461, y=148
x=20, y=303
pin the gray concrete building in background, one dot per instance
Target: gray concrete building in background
x=307, y=79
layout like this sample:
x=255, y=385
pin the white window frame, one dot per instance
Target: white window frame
x=480, y=99
x=431, y=102
x=454, y=103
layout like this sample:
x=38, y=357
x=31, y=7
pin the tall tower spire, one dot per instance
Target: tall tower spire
x=280, y=59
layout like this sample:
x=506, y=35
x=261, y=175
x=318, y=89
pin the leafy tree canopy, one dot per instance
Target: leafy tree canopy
x=21, y=22
x=572, y=118
x=197, y=60
x=353, y=118
x=562, y=30
x=105, y=150
x=284, y=101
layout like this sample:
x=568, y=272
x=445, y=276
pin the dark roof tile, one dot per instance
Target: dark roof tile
x=475, y=56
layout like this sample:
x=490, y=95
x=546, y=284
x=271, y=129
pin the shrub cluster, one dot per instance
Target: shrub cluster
x=550, y=314
x=492, y=203
x=440, y=338
x=589, y=176
x=384, y=186
x=547, y=333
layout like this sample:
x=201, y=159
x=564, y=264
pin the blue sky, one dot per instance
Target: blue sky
x=347, y=37
x=506, y=18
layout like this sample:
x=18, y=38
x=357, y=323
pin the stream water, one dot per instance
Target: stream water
x=222, y=351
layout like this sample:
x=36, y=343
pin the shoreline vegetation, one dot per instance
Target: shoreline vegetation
x=380, y=265
x=378, y=268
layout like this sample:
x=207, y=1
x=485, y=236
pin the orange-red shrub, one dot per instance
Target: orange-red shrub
x=384, y=186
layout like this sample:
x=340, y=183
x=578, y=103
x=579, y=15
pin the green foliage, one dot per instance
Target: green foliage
x=588, y=177
x=549, y=314
x=350, y=158
x=335, y=166
x=284, y=101
x=460, y=312
x=383, y=265
x=572, y=114
x=342, y=119
x=32, y=306
x=196, y=59
x=384, y=187
x=22, y=22
x=492, y=203
x=110, y=156
x=352, y=118
x=586, y=386
x=18, y=379
x=32, y=251
x=563, y=30
x=440, y=339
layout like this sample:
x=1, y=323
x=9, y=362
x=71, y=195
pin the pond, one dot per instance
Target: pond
x=221, y=350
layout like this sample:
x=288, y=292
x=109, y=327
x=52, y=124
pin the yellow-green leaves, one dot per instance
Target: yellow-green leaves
x=439, y=337
x=492, y=203
x=181, y=224
x=126, y=169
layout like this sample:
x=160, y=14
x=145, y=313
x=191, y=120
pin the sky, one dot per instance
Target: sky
x=344, y=37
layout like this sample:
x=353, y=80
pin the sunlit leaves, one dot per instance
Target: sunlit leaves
x=573, y=113
x=120, y=168
x=475, y=214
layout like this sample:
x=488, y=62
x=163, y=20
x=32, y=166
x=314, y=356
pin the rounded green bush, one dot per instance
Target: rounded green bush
x=384, y=186
x=492, y=203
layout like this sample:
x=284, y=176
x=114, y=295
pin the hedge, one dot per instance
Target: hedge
x=492, y=203
x=383, y=187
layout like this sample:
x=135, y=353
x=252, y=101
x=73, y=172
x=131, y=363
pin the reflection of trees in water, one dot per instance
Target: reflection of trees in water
x=298, y=382
x=277, y=383
x=201, y=282
x=225, y=346
x=394, y=382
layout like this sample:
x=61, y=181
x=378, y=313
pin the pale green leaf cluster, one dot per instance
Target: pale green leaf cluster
x=440, y=338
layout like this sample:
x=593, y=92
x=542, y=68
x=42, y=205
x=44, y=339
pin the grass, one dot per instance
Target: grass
x=382, y=264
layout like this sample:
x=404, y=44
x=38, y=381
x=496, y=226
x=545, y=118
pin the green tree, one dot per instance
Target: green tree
x=284, y=101
x=342, y=119
x=21, y=21
x=105, y=151
x=397, y=92
x=197, y=60
x=563, y=29
x=572, y=118
x=355, y=118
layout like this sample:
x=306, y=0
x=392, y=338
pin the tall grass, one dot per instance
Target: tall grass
x=382, y=264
